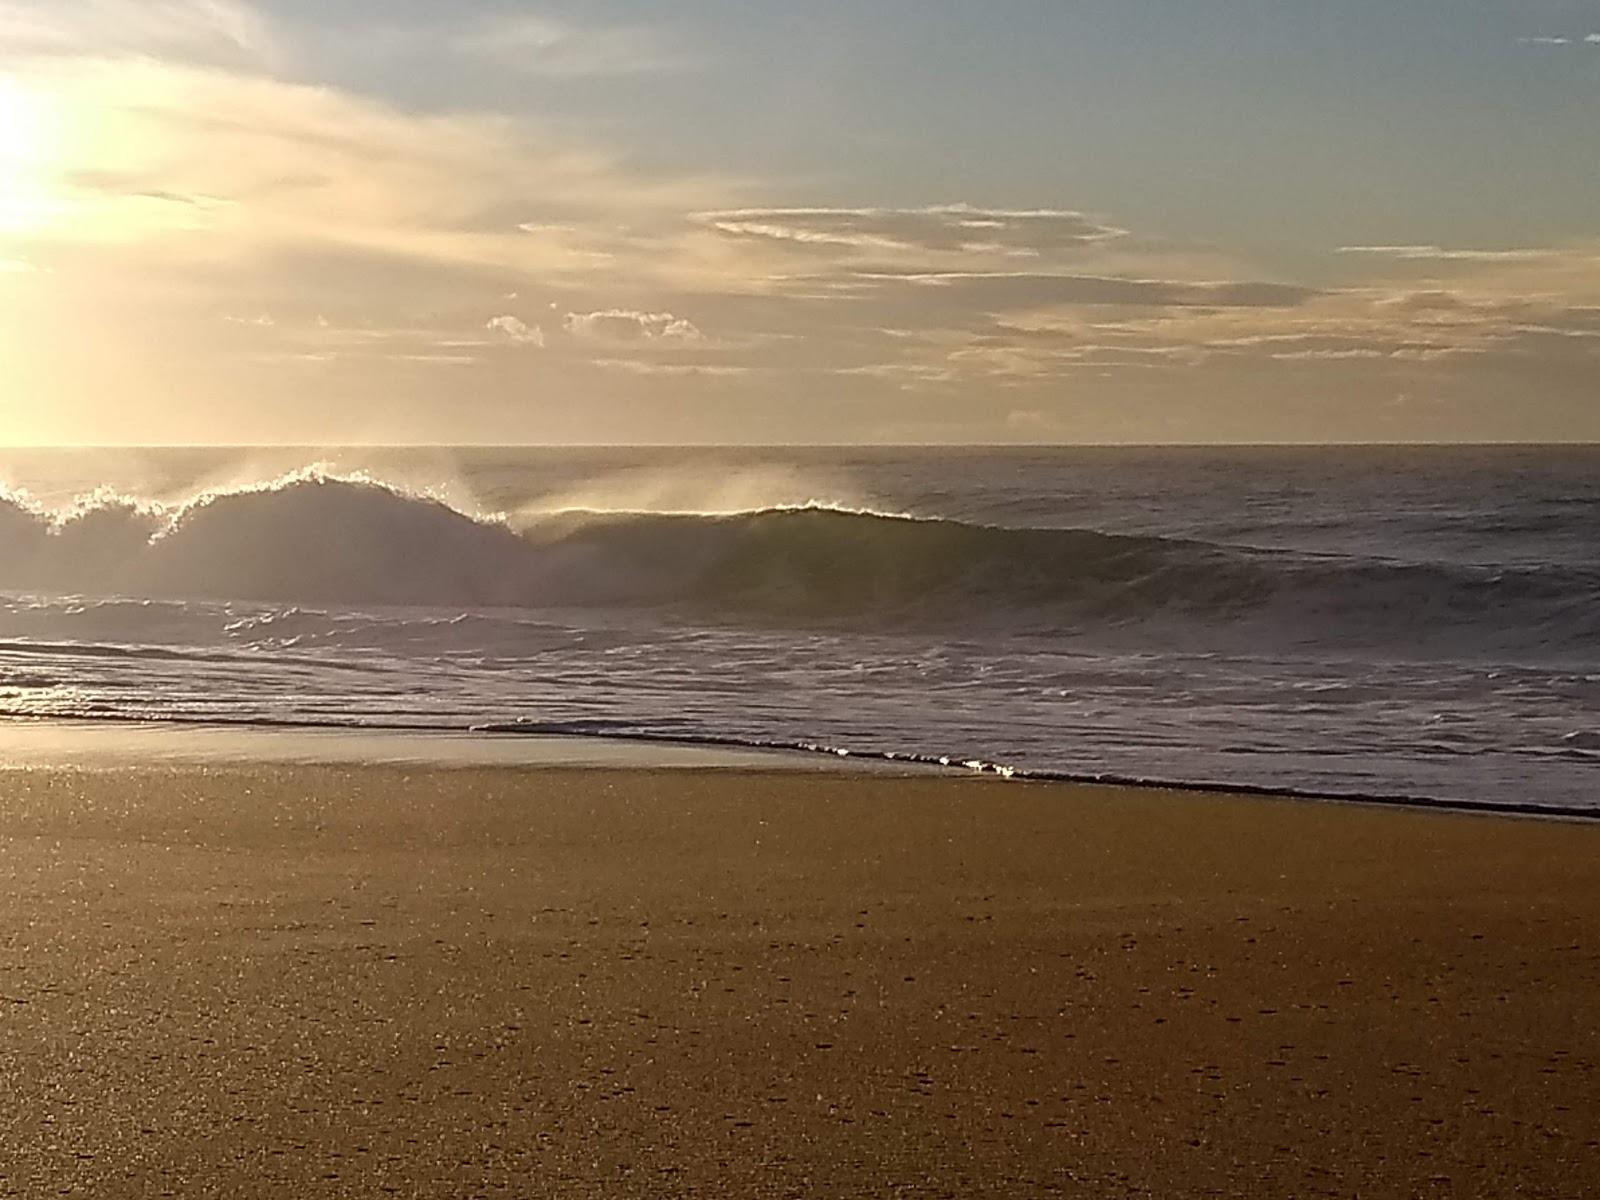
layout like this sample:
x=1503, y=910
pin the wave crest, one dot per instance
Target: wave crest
x=354, y=540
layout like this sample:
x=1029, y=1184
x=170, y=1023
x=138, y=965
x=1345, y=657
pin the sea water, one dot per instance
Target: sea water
x=1362, y=621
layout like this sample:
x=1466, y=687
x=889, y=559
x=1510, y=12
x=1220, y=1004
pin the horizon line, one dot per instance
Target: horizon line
x=402, y=445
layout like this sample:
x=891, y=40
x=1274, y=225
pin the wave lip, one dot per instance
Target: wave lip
x=308, y=537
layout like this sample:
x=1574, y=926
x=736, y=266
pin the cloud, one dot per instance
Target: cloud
x=195, y=191
x=1592, y=39
x=214, y=163
x=1530, y=315
x=1439, y=254
x=1427, y=326
x=1355, y=352
x=439, y=360
x=540, y=45
x=1544, y=41
x=515, y=330
x=988, y=258
x=213, y=31
x=622, y=325
x=634, y=366
x=903, y=375
x=995, y=291
x=948, y=229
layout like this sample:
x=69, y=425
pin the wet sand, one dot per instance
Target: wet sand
x=345, y=981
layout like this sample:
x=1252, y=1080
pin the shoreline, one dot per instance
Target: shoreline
x=407, y=980
x=117, y=741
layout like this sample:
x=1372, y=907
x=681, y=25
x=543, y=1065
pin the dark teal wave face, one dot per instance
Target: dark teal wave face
x=329, y=540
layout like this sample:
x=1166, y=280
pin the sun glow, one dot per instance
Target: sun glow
x=28, y=149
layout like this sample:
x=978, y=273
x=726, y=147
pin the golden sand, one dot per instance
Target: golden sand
x=287, y=982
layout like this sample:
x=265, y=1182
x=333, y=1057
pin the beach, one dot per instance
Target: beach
x=292, y=980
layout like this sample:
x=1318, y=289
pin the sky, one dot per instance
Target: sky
x=909, y=221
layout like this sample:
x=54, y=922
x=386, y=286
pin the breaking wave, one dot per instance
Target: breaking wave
x=319, y=539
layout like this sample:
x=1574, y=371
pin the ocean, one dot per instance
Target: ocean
x=1394, y=622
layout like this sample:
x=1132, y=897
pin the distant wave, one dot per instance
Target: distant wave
x=320, y=539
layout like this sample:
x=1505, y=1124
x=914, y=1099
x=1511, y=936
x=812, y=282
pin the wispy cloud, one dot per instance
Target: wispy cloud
x=650, y=368
x=155, y=150
x=1591, y=39
x=216, y=31
x=1429, y=326
x=439, y=360
x=1440, y=254
x=988, y=290
x=541, y=45
x=947, y=229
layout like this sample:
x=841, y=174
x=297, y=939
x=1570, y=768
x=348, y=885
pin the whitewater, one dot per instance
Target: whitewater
x=1395, y=622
